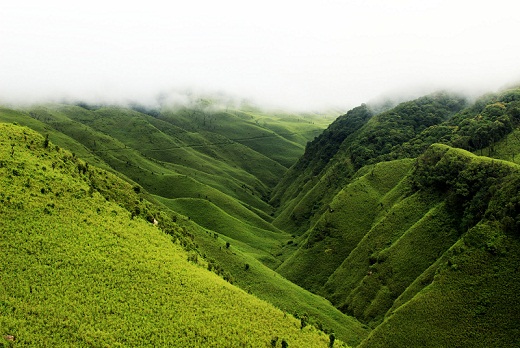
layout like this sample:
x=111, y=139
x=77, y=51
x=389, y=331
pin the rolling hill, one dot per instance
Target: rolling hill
x=412, y=221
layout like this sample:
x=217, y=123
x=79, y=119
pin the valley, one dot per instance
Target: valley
x=387, y=226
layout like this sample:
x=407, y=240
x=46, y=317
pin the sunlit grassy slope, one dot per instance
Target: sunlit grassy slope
x=246, y=265
x=196, y=153
x=199, y=189
x=78, y=270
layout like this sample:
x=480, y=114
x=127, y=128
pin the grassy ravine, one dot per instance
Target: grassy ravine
x=78, y=270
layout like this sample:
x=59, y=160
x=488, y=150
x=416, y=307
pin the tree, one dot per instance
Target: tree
x=332, y=338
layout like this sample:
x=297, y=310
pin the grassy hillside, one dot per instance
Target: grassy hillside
x=469, y=295
x=81, y=266
x=399, y=238
x=201, y=191
x=246, y=266
x=197, y=152
x=348, y=218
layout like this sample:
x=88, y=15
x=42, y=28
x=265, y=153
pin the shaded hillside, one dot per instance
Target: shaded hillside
x=352, y=141
x=467, y=293
x=395, y=242
x=393, y=237
x=338, y=231
x=319, y=152
x=83, y=265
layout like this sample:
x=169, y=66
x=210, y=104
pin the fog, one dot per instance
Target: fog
x=295, y=54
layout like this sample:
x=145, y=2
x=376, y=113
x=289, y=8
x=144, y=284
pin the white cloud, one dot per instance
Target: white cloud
x=298, y=54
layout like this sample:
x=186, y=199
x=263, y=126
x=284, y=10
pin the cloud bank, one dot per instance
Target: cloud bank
x=302, y=55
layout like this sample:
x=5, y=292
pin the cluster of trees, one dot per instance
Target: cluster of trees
x=411, y=127
x=321, y=150
x=476, y=187
x=381, y=139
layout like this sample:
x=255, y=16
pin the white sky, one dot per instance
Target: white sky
x=301, y=54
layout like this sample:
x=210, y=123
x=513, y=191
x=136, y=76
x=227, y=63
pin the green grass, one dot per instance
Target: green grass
x=77, y=270
x=211, y=217
x=59, y=138
x=341, y=227
x=268, y=285
x=472, y=300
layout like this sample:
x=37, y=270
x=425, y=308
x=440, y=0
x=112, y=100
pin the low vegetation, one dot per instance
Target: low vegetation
x=386, y=247
x=81, y=266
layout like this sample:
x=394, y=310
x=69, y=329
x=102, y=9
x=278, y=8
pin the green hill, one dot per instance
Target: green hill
x=78, y=268
x=384, y=233
x=106, y=135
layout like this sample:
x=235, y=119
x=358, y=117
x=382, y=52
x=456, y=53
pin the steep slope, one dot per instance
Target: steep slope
x=338, y=231
x=309, y=170
x=396, y=241
x=376, y=240
x=468, y=294
x=80, y=266
x=352, y=141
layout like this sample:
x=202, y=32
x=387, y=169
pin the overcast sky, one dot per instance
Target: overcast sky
x=300, y=54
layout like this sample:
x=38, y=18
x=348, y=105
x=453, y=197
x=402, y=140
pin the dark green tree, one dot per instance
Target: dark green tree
x=332, y=338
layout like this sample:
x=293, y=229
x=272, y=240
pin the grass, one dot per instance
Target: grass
x=401, y=226
x=471, y=301
x=266, y=284
x=78, y=270
x=341, y=227
x=211, y=217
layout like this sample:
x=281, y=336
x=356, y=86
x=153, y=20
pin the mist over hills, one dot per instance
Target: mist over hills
x=400, y=219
